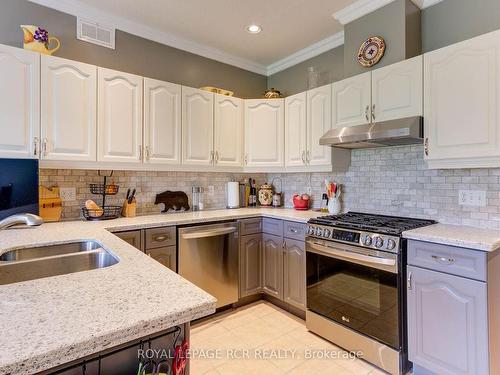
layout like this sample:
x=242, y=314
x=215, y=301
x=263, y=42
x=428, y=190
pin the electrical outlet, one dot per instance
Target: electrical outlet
x=211, y=190
x=67, y=194
x=474, y=198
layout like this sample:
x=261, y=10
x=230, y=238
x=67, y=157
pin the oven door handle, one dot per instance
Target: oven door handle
x=385, y=264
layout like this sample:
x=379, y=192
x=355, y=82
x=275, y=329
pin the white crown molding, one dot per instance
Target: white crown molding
x=363, y=7
x=313, y=50
x=78, y=9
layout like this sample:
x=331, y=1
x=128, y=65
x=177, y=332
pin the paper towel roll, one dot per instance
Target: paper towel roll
x=233, y=194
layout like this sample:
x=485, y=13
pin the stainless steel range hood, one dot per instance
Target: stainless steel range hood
x=399, y=132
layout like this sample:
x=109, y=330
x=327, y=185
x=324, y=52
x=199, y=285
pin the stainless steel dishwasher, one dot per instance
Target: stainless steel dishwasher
x=208, y=257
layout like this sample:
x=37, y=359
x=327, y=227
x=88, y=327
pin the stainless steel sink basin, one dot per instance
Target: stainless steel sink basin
x=47, y=251
x=39, y=262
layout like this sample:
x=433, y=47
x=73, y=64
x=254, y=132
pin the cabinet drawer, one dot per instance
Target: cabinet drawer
x=133, y=237
x=159, y=237
x=295, y=231
x=450, y=259
x=272, y=226
x=250, y=226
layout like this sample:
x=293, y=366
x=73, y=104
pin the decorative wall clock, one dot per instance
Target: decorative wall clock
x=371, y=51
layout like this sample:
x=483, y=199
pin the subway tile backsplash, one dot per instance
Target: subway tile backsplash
x=396, y=181
x=148, y=184
x=391, y=181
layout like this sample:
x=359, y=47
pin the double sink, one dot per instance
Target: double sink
x=44, y=261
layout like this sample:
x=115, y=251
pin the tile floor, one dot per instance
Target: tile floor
x=263, y=339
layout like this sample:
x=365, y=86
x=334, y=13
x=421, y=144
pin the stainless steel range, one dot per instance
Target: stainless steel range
x=356, y=266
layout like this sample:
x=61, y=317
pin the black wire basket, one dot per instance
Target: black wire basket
x=104, y=213
x=104, y=189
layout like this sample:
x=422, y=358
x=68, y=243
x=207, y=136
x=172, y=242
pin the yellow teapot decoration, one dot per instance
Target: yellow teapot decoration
x=38, y=40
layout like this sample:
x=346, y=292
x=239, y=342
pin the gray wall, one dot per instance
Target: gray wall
x=132, y=54
x=294, y=80
x=452, y=21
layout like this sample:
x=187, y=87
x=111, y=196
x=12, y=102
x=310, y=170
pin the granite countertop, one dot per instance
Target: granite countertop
x=52, y=321
x=457, y=235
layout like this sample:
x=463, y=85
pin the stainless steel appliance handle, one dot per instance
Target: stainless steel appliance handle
x=387, y=264
x=208, y=233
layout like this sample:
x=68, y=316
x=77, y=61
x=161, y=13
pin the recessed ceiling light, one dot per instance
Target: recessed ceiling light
x=254, y=29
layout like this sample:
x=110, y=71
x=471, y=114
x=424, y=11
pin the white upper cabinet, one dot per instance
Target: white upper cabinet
x=119, y=116
x=162, y=122
x=351, y=101
x=69, y=116
x=228, y=131
x=295, y=130
x=319, y=121
x=197, y=126
x=19, y=103
x=462, y=104
x=397, y=90
x=264, y=132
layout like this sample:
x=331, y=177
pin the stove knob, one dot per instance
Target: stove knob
x=311, y=230
x=326, y=233
x=391, y=244
x=319, y=232
x=379, y=242
x=367, y=240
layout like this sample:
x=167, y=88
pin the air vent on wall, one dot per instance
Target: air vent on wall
x=93, y=32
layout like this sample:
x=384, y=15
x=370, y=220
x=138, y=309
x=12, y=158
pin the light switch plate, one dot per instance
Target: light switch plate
x=474, y=198
x=67, y=194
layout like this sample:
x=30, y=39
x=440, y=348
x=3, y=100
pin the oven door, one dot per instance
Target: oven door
x=355, y=287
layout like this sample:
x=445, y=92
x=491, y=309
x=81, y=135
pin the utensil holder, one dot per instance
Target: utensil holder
x=334, y=206
x=129, y=209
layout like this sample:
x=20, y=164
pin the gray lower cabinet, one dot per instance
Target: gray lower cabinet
x=447, y=323
x=133, y=237
x=89, y=368
x=166, y=255
x=294, y=278
x=250, y=264
x=272, y=265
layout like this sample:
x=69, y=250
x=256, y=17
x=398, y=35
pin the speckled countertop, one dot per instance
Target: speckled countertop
x=457, y=235
x=51, y=321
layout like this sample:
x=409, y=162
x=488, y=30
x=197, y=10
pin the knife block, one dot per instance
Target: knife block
x=129, y=209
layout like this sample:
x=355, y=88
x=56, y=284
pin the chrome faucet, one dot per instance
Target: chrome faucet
x=21, y=219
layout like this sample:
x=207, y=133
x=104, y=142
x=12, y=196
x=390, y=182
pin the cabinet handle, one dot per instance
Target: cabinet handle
x=146, y=151
x=294, y=230
x=246, y=159
x=408, y=281
x=160, y=238
x=35, y=146
x=216, y=156
x=44, y=147
x=140, y=152
x=366, y=113
x=308, y=157
x=426, y=146
x=303, y=156
x=211, y=157
x=443, y=259
x=373, y=112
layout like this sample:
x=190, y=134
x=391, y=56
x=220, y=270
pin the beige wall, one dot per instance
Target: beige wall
x=132, y=54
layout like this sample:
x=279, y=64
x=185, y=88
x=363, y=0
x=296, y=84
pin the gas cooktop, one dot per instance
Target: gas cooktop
x=391, y=225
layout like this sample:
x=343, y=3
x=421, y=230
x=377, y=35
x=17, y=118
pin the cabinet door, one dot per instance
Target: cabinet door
x=351, y=101
x=272, y=265
x=69, y=116
x=228, y=131
x=397, y=90
x=447, y=323
x=162, y=122
x=165, y=255
x=119, y=116
x=319, y=121
x=133, y=237
x=20, y=103
x=295, y=130
x=197, y=126
x=294, y=268
x=250, y=264
x=264, y=132
x=462, y=101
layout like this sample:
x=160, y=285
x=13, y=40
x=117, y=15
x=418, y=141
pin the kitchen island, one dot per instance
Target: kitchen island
x=52, y=321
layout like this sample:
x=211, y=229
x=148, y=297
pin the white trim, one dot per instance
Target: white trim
x=313, y=50
x=78, y=9
x=363, y=7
